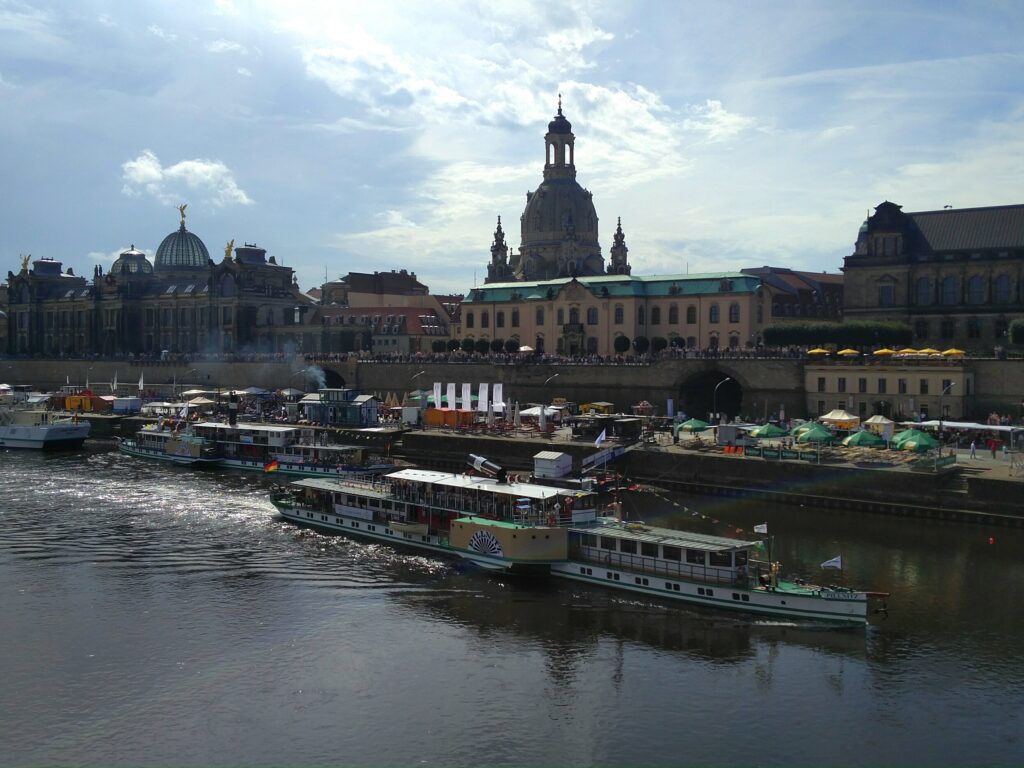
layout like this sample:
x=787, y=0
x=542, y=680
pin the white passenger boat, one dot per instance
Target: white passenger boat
x=538, y=528
x=288, y=449
x=163, y=443
x=41, y=430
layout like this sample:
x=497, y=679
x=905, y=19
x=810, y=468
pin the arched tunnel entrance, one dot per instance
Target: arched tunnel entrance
x=701, y=394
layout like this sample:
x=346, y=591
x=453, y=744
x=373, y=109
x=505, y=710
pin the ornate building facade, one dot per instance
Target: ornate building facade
x=956, y=275
x=184, y=302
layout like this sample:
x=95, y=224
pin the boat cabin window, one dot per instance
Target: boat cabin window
x=741, y=558
x=589, y=540
x=648, y=550
x=607, y=542
x=375, y=503
x=720, y=559
x=671, y=553
x=625, y=545
x=695, y=556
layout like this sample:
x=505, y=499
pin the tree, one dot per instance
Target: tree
x=677, y=342
x=512, y=346
x=1017, y=331
x=497, y=345
x=621, y=344
x=438, y=345
x=658, y=343
x=641, y=344
x=482, y=346
x=467, y=346
x=851, y=334
x=453, y=344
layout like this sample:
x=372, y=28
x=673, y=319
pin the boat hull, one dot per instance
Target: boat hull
x=56, y=437
x=186, y=461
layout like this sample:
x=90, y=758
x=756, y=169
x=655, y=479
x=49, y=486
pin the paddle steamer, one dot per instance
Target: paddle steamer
x=501, y=523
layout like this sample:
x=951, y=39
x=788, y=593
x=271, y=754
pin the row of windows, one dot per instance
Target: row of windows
x=948, y=328
x=902, y=385
x=651, y=549
x=714, y=316
x=948, y=291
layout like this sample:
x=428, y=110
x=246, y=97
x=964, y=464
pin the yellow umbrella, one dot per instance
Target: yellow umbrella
x=907, y=351
x=884, y=352
x=928, y=351
x=818, y=351
x=848, y=352
x=953, y=353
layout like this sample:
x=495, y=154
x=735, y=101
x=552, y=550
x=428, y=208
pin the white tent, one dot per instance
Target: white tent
x=840, y=418
x=535, y=412
x=256, y=391
x=196, y=392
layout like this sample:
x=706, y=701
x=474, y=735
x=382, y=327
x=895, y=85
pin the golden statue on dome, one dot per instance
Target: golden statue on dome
x=228, y=248
x=181, y=210
x=24, y=262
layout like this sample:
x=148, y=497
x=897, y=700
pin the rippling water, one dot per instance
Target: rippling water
x=154, y=615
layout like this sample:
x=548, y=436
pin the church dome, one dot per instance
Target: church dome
x=559, y=124
x=132, y=262
x=182, y=250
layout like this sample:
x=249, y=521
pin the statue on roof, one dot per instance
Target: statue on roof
x=228, y=248
x=181, y=210
x=24, y=262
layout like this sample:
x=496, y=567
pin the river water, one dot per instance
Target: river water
x=154, y=615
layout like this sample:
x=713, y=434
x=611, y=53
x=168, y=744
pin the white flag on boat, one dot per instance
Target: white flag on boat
x=498, y=392
x=835, y=562
x=437, y=394
x=761, y=528
x=600, y=438
x=467, y=397
x=113, y=387
x=140, y=382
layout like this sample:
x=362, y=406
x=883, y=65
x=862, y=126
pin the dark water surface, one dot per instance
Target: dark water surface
x=153, y=615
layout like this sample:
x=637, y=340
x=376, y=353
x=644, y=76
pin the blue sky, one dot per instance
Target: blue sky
x=363, y=136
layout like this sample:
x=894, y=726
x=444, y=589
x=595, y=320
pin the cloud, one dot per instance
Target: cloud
x=225, y=46
x=158, y=31
x=211, y=178
x=714, y=122
x=244, y=72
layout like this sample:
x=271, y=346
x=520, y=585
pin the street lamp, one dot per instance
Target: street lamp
x=942, y=395
x=714, y=397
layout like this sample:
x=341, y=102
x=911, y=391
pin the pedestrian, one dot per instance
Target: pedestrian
x=992, y=446
x=974, y=450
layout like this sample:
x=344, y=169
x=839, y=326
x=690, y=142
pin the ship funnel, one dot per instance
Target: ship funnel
x=489, y=468
x=232, y=409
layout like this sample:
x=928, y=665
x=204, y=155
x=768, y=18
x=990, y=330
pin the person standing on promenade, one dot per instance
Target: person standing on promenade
x=974, y=450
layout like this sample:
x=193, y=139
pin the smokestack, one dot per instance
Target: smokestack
x=489, y=468
x=232, y=409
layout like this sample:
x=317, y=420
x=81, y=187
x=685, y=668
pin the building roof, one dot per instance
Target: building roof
x=621, y=285
x=964, y=229
x=182, y=250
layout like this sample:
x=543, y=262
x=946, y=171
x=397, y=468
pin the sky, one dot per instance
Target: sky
x=387, y=135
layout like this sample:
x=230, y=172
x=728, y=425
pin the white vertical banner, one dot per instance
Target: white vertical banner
x=437, y=394
x=451, y=396
x=670, y=409
x=498, y=393
x=481, y=403
x=467, y=397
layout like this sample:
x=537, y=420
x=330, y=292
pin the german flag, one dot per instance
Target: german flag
x=270, y=466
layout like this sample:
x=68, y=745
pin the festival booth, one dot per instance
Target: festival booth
x=840, y=419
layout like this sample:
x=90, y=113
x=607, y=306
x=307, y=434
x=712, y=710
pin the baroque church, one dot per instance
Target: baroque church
x=559, y=225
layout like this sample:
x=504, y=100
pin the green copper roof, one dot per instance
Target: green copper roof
x=610, y=286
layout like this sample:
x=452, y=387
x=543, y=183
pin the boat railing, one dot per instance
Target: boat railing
x=704, y=574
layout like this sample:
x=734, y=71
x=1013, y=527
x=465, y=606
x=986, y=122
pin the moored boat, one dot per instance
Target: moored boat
x=543, y=529
x=163, y=443
x=41, y=430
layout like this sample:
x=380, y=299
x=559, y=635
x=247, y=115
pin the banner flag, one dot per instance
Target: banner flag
x=498, y=393
x=761, y=528
x=483, y=400
x=140, y=382
x=113, y=387
x=600, y=438
x=467, y=397
x=437, y=394
x=835, y=562
x=451, y=396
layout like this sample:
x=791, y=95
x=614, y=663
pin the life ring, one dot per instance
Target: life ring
x=552, y=522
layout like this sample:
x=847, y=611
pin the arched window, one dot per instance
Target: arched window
x=655, y=315
x=639, y=315
x=574, y=314
x=540, y=316
x=499, y=319
x=973, y=328
x=713, y=341
x=691, y=315
x=673, y=314
x=949, y=291
x=1002, y=290
x=923, y=290
x=592, y=316
x=619, y=315
x=592, y=345
x=976, y=290
x=469, y=320
x=921, y=329
x=560, y=316
x=713, y=316
x=485, y=320
x=734, y=341
x=734, y=314
x=515, y=318
x=691, y=342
